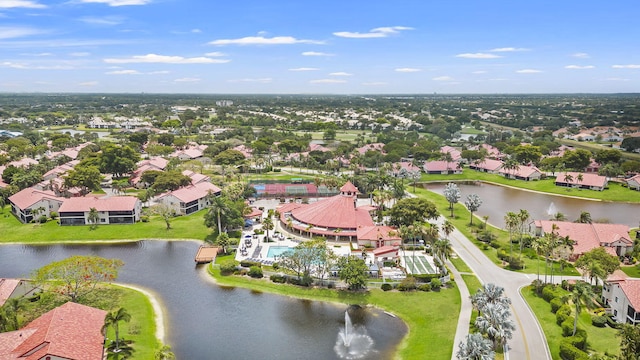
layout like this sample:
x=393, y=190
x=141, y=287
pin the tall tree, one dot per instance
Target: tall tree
x=88, y=178
x=512, y=223
x=93, y=218
x=629, y=342
x=473, y=203
x=268, y=225
x=353, y=271
x=77, y=276
x=113, y=320
x=411, y=210
x=452, y=194
x=581, y=296
x=495, y=322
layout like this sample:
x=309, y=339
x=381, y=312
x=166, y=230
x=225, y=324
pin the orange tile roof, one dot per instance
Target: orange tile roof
x=377, y=232
x=490, y=164
x=349, y=187
x=631, y=288
x=587, y=179
x=440, y=165
x=70, y=331
x=29, y=196
x=588, y=236
x=193, y=192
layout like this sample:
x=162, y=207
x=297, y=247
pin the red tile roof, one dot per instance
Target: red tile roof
x=156, y=162
x=70, y=331
x=113, y=203
x=335, y=212
x=385, y=250
x=7, y=287
x=455, y=153
x=587, y=179
x=29, y=196
x=195, y=177
x=522, y=171
x=348, y=187
x=490, y=165
x=370, y=147
x=440, y=165
x=631, y=288
x=193, y=192
x=378, y=232
x=588, y=236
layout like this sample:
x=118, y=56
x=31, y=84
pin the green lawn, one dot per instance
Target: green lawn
x=429, y=315
x=615, y=192
x=632, y=271
x=182, y=227
x=461, y=221
x=473, y=284
x=600, y=340
x=460, y=265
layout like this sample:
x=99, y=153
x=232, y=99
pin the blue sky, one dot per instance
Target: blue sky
x=303, y=47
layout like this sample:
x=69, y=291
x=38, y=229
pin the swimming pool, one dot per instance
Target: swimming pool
x=277, y=251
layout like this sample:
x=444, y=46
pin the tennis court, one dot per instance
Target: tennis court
x=418, y=263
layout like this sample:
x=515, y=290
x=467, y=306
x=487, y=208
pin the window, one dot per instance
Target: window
x=616, y=299
x=615, y=313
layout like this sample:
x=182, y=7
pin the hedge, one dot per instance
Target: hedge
x=599, y=321
x=555, y=304
x=570, y=352
x=386, y=287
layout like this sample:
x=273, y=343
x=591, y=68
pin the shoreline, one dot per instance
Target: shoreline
x=158, y=313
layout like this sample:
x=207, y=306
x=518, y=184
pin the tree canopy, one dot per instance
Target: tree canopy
x=411, y=210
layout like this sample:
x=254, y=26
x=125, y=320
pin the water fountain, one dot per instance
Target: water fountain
x=353, y=341
x=552, y=210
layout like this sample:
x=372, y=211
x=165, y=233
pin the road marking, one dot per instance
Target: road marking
x=524, y=336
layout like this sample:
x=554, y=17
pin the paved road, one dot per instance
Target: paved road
x=528, y=340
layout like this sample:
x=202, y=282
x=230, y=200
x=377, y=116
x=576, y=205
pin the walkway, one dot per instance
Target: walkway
x=528, y=340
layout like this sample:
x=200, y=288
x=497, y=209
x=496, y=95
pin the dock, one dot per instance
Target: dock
x=206, y=254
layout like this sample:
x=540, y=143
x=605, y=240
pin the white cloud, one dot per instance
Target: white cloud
x=629, y=66
x=249, y=80
x=261, y=40
x=328, y=81
x=616, y=79
x=80, y=54
x=187, y=79
x=408, y=70
x=159, y=72
x=478, y=56
x=105, y=21
x=7, y=32
x=28, y=66
x=118, y=2
x=581, y=55
x=88, y=83
x=380, y=32
x=215, y=54
x=374, y=83
x=123, y=72
x=154, y=58
x=196, y=31
x=479, y=72
x=579, y=67
x=315, y=53
x=508, y=49
x=304, y=69
x=340, y=73
x=442, y=78
x=528, y=71
x=6, y=4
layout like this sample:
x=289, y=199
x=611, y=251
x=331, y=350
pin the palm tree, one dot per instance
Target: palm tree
x=113, y=319
x=579, y=178
x=538, y=245
x=122, y=351
x=475, y=347
x=512, y=222
x=267, y=224
x=523, y=217
x=585, y=218
x=473, y=203
x=581, y=296
x=568, y=178
x=495, y=322
x=443, y=251
x=219, y=207
x=489, y=294
x=447, y=228
x=93, y=218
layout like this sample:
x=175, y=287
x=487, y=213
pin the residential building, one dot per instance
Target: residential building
x=29, y=203
x=614, y=238
x=404, y=169
x=623, y=298
x=70, y=332
x=442, y=167
x=634, y=182
x=189, y=199
x=14, y=288
x=455, y=154
x=581, y=180
x=378, y=236
x=522, y=172
x=111, y=210
x=487, y=165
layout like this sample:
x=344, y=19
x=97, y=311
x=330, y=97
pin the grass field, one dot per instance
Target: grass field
x=632, y=271
x=600, y=340
x=429, y=315
x=182, y=227
x=460, y=265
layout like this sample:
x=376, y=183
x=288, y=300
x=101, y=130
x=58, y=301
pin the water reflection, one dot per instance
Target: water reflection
x=207, y=321
x=498, y=200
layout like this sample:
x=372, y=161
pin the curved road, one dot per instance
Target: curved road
x=528, y=341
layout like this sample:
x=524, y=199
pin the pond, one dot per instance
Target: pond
x=498, y=200
x=207, y=321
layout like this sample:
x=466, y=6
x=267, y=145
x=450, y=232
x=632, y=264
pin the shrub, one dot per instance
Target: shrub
x=386, y=287
x=42, y=219
x=570, y=352
x=408, y=284
x=53, y=215
x=567, y=326
x=278, y=279
x=255, y=272
x=612, y=323
x=247, y=263
x=556, y=303
x=144, y=218
x=599, y=321
x=495, y=244
x=425, y=287
x=549, y=292
x=275, y=266
x=562, y=314
x=425, y=278
x=436, y=284
x=486, y=236
x=516, y=263
x=228, y=266
x=502, y=255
